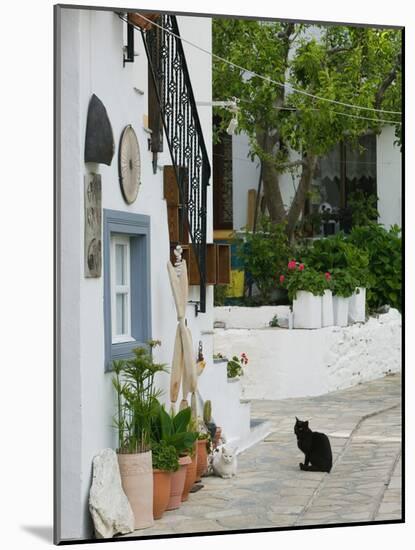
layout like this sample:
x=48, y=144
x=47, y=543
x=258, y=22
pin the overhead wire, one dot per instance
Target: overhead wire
x=267, y=78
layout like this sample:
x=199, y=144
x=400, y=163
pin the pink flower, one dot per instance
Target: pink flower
x=282, y=278
x=292, y=264
x=301, y=267
x=327, y=276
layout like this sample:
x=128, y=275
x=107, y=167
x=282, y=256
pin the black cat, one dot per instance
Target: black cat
x=315, y=446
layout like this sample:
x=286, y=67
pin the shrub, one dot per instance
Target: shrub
x=343, y=283
x=338, y=253
x=384, y=249
x=263, y=254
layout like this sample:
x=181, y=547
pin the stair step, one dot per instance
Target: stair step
x=260, y=429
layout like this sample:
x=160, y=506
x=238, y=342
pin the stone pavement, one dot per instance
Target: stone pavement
x=364, y=427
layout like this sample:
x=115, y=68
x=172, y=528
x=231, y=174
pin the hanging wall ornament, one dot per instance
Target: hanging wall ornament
x=93, y=225
x=129, y=165
x=99, y=139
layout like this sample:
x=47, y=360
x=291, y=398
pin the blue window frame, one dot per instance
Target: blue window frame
x=137, y=228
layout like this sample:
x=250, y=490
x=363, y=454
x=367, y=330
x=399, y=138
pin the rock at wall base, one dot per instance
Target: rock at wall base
x=109, y=507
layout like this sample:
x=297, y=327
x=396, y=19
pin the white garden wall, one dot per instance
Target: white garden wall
x=248, y=317
x=298, y=363
x=91, y=62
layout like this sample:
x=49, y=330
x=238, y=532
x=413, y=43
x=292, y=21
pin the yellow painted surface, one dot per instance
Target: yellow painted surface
x=236, y=288
x=222, y=234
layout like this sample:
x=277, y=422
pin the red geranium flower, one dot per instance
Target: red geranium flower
x=301, y=267
x=292, y=264
x=327, y=276
x=282, y=278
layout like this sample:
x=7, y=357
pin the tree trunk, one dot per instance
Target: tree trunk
x=272, y=192
x=300, y=196
x=270, y=178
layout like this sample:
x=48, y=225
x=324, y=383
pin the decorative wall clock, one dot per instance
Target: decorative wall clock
x=129, y=164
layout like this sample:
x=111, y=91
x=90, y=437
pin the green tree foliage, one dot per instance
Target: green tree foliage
x=359, y=66
x=384, y=249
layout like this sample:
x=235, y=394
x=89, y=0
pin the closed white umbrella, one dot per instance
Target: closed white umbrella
x=183, y=371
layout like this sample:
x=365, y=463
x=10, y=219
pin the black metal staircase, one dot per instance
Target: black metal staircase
x=183, y=131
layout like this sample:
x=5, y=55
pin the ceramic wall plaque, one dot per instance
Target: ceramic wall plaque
x=93, y=225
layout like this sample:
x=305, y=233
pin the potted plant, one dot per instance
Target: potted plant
x=174, y=430
x=305, y=288
x=338, y=253
x=137, y=406
x=165, y=462
x=214, y=431
x=234, y=366
x=343, y=284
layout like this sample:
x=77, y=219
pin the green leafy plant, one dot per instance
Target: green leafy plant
x=137, y=399
x=274, y=321
x=219, y=295
x=384, y=249
x=174, y=430
x=343, y=282
x=337, y=252
x=361, y=209
x=164, y=457
x=234, y=366
x=264, y=253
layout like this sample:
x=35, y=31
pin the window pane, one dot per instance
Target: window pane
x=120, y=316
x=120, y=264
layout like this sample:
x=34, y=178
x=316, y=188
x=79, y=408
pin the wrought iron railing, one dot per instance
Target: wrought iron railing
x=183, y=131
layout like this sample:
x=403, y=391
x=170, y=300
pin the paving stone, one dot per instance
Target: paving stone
x=271, y=491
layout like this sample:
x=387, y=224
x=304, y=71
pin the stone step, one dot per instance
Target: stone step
x=259, y=430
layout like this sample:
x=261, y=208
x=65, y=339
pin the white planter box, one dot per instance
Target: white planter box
x=307, y=310
x=327, y=309
x=340, y=311
x=357, y=306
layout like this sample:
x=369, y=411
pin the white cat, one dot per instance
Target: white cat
x=224, y=463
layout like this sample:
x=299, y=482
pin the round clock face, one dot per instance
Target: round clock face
x=129, y=164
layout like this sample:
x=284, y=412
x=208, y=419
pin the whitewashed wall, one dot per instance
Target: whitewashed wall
x=91, y=61
x=389, y=178
x=299, y=363
x=245, y=176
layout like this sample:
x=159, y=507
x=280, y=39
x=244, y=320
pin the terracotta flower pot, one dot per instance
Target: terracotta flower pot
x=177, y=483
x=161, y=492
x=136, y=472
x=202, y=464
x=190, y=477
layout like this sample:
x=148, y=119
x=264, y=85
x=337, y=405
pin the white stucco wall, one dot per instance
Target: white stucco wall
x=245, y=175
x=298, y=363
x=249, y=317
x=92, y=63
x=389, y=178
